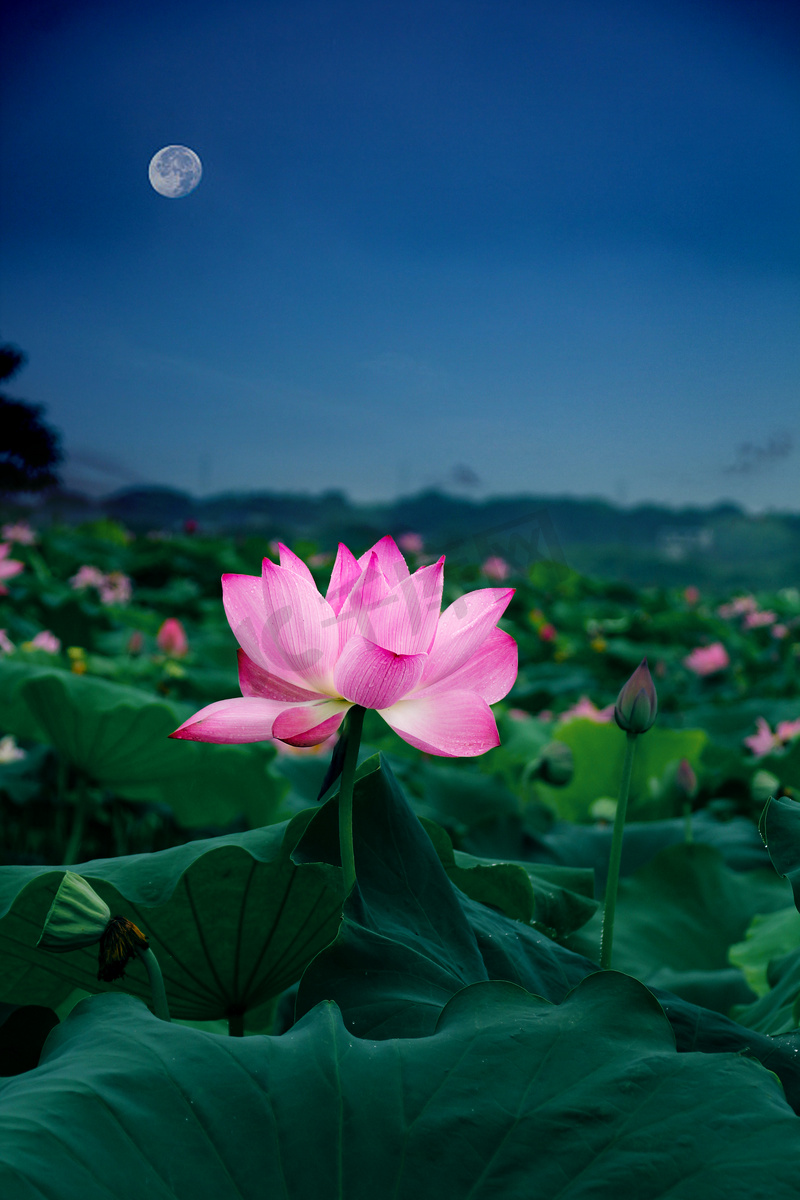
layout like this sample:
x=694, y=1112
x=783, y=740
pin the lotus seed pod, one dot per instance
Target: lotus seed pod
x=77, y=916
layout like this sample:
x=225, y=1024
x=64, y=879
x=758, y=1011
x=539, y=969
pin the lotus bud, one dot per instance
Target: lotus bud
x=637, y=703
x=556, y=764
x=172, y=639
x=77, y=916
x=686, y=778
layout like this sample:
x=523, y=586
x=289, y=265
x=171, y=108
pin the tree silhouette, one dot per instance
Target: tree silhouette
x=29, y=449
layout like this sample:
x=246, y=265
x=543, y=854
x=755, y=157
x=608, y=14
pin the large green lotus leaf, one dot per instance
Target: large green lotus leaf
x=459, y=798
x=232, y=921
x=409, y=939
x=599, y=750
x=510, y=1097
x=767, y=938
x=15, y=715
x=120, y=738
x=735, y=838
x=777, y=1011
x=560, y=899
x=677, y=918
x=780, y=829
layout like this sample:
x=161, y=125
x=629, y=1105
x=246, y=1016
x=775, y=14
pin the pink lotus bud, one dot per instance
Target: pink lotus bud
x=172, y=639
x=411, y=543
x=547, y=633
x=691, y=594
x=686, y=778
x=637, y=703
x=497, y=568
x=135, y=642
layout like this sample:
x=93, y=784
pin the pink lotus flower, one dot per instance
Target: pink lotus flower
x=779, y=631
x=6, y=645
x=87, y=577
x=707, y=660
x=377, y=639
x=116, y=588
x=518, y=714
x=691, y=594
x=46, y=641
x=548, y=633
x=9, y=567
x=20, y=533
x=787, y=731
x=584, y=708
x=738, y=607
x=763, y=740
x=412, y=543
x=756, y=619
x=172, y=639
x=497, y=568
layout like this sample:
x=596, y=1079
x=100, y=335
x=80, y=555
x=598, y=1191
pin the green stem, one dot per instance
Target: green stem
x=160, y=1006
x=612, y=883
x=355, y=722
x=71, y=852
x=688, y=836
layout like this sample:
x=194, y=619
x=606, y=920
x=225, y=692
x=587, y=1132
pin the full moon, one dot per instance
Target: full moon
x=175, y=171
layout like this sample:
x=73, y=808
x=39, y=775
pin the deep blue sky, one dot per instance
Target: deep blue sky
x=553, y=241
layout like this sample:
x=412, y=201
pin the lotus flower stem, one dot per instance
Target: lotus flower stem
x=688, y=836
x=355, y=723
x=160, y=1006
x=612, y=883
x=72, y=850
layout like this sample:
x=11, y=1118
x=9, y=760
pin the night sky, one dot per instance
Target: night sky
x=543, y=246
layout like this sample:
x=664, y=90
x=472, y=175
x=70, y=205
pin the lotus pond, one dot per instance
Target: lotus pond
x=372, y=870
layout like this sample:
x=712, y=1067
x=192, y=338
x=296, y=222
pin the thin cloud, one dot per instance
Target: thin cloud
x=751, y=457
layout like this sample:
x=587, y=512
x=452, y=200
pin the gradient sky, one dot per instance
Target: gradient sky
x=544, y=246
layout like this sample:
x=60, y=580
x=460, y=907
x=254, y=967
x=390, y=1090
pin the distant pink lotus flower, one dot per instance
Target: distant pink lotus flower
x=738, y=607
x=378, y=639
x=6, y=645
x=320, y=560
x=584, y=708
x=754, y=620
x=412, y=543
x=691, y=594
x=787, y=731
x=497, y=568
x=707, y=660
x=518, y=714
x=172, y=639
x=9, y=567
x=763, y=740
x=87, y=577
x=548, y=633
x=46, y=641
x=779, y=631
x=116, y=588
x=20, y=533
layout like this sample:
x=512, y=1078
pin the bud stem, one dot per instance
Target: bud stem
x=160, y=1006
x=615, y=858
x=355, y=722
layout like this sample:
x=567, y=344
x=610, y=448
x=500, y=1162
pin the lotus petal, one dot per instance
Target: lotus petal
x=242, y=719
x=490, y=672
x=302, y=625
x=309, y=724
x=360, y=608
x=255, y=681
x=462, y=629
x=291, y=562
x=344, y=577
x=390, y=558
x=455, y=725
x=370, y=675
x=246, y=610
x=406, y=621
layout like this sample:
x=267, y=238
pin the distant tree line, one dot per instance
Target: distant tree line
x=30, y=450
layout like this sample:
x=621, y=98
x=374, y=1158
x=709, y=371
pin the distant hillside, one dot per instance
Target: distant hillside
x=721, y=545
